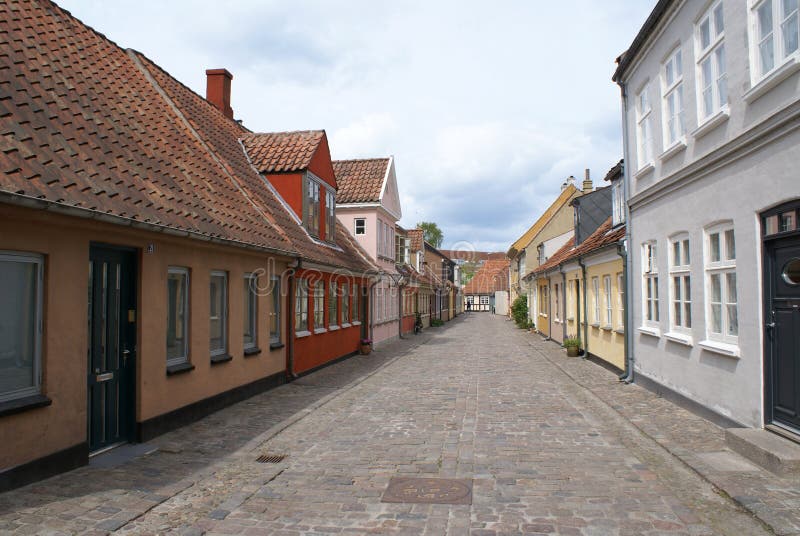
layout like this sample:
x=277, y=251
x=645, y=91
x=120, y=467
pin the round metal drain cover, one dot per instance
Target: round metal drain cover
x=428, y=491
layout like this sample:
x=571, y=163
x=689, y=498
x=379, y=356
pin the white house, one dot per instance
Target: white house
x=711, y=99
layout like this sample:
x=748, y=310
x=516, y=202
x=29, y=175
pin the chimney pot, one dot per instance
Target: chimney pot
x=218, y=90
x=587, y=182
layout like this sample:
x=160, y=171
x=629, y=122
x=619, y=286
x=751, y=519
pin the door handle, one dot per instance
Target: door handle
x=104, y=377
x=125, y=354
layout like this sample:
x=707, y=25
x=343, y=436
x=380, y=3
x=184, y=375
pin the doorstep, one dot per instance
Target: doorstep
x=767, y=449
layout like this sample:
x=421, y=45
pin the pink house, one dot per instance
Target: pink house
x=368, y=205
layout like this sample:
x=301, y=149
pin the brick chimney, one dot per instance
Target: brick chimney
x=218, y=90
x=587, y=182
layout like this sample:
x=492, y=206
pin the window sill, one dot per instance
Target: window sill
x=543, y=315
x=179, y=368
x=607, y=328
x=275, y=346
x=301, y=334
x=595, y=325
x=221, y=358
x=318, y=331
x=19, y=405
x=712, y=122
x=346, y=325
x=791, y=66
x=620, y=331
x=722, y=348
x=250, y=352
x=357, y=323
x=334, y=328
x=557, y=321
x=679, y=338
x=674, y=149
x=652, y=332
x=644, y=170
x=570, y=319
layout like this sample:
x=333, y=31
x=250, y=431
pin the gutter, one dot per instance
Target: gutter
x=90, y=214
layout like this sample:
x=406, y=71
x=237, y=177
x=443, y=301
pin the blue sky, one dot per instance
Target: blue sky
x=486, y=106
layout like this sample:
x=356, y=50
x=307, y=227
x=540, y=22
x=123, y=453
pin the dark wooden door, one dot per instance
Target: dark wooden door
x=112, y=346
x=783, y=330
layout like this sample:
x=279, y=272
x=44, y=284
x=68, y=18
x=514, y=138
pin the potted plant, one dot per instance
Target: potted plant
x=365, y=346
x=573, y=345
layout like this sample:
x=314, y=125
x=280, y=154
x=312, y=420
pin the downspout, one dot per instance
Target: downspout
x=627, y=375
x=628, y=262
x=563, y=302
x=400, y=311
x=290, y=374
x=585, y=311
x=549, y=310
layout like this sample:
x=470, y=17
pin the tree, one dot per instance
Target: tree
x=433, y=235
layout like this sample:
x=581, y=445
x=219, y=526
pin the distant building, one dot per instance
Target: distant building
x=487, y=291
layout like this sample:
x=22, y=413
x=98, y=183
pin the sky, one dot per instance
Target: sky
x=487, y=107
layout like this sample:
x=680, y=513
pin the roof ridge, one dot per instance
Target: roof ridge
x=308, y=131
x=374, y=159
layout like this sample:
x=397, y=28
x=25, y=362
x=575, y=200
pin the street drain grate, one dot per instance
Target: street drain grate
x=428, y=491
x=271, y=458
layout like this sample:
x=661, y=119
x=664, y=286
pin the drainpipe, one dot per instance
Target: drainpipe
x=628, y=261
x=549, y=310
x=400, y=310
x=626, y=376
x=293, y=267
x=585, y=311
x=563, y=302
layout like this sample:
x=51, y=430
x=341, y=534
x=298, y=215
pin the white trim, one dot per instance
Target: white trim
x=333, y=327
x=356, y=323
x=346, y=324
x=385, y=179
x=711, y=122
x=644, y=170
x=317, y=331
x=729, y=350
x=674, y=149
x=649, y=331
x=186, y=312
x=790, y=66
x=680, y=338
x=301, y=334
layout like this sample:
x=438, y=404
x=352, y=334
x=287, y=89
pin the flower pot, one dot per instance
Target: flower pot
x=365, y=349
x=573, y=351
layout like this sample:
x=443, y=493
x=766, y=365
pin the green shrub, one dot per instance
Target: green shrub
x=435, y=323
x=519, y=311
x=572, y=340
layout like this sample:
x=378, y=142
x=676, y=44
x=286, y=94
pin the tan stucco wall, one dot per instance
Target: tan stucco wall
x=65, y=242
x=607, y=344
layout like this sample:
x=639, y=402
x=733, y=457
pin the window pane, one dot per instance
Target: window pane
x=218, y=321
x=18, y=333
x=713, y=246
x=250, y=304
x=705, y=33
x=716, y=318
x=319, y=304
x=716, y=288
x=678, y=64
x=719, y=23
x=176, y=316
x=730, y=245
x=731, y=287
x=787, y=222
x=722, y=77
x=765, y=19
x=789, y=28
x=767, y=55
x=676, y=253
x=686, y=258
x=733, y=321
x=687, y=318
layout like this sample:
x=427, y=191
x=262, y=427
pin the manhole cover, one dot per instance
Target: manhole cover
x=428, y=491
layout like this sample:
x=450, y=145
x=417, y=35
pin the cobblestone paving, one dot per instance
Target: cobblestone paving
x=554, y=445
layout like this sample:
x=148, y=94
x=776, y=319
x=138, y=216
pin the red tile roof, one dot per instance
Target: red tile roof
x=360, y=181
x=492, y=277
x=417, y=238
x=282, y=152
x=472, y=256
x=604, y=236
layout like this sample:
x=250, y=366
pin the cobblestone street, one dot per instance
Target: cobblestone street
x=552, y=445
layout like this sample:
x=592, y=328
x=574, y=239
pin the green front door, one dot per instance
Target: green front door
x=112, y=346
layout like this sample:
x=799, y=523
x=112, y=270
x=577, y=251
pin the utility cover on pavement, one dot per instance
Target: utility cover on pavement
x=428, y=491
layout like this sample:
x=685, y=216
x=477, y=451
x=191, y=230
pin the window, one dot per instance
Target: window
x=401, y=249
x=712, y=73
x=607, y=295
x=672, y=81
x=543, y=305
x=20, y=325
x=177, y=315
x=723, y=318
x=333, y=304
x=360, y=226
x=301, y=306
x=621, y=299
x=250, y=310
x=330, y=222
x=275, y=314
x=345, y=303
x=618, y=203
x=596, y=300
x=218, y=312
x=644, y=127
x=522, y=265
x=681, y=284
x=484, y=300
x=311, y=207
x=319, y=305
x=776, y=34
x=650, y=276
x=356, y=300
x=557, y=311
x=540, y=251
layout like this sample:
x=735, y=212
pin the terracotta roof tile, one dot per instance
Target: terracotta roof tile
x=417, y=237
x=492, y=277
x=603, y=236
x=360, y=181
x=282, y=152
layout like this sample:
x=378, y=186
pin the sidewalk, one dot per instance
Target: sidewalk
x=695, y=441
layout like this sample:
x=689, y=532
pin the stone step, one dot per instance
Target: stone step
x=771, y=451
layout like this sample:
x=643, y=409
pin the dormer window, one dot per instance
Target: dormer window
x=311, y=205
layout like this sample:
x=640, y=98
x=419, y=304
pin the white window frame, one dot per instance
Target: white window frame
x=644, y=127
x=621, y=300
x=318, y=299
x=185, y=272
x=301, y=307
x=544, y=303
x=680, y=284
x=618, y=203
x=650, y=305
x=780, y=57
x=715, y=54
x=222, y=313
x=596, y=301
x=346, y=303
x=275, y=337
x=673, y=93
x=609, y=303
x=250, y=292
x=723, y=268
x=311, y=204
x=330, y=223
x=333, y=304
x=557, y=299
x=38, y=261
x=356, y=222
